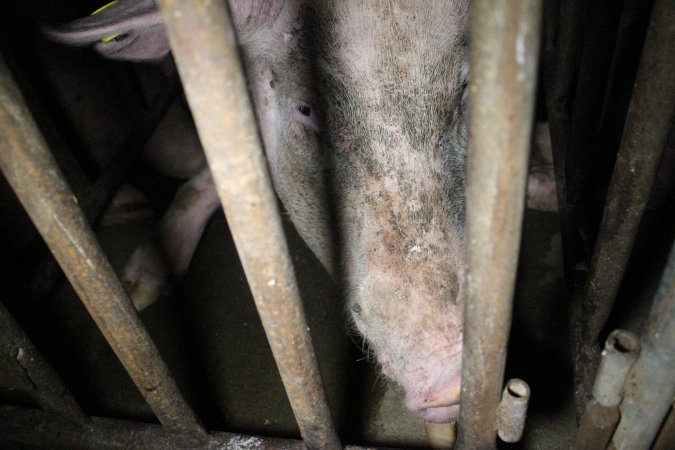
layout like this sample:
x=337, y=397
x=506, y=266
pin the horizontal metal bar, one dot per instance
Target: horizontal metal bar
x=203, y=42
x=504, y=55
x=650, y=389
x=32, y=373
x=39, y=428
x=33, y=174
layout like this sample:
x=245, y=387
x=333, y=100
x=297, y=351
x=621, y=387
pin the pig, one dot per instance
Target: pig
x=361, y=107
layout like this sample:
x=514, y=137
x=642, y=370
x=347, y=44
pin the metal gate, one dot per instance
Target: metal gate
x=505, y=42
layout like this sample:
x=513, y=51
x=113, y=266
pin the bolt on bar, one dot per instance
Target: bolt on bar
x=203, y=42
x=504, y=54
x=41, y=381
x=38, y=183
x=651, y=388
x=648, y=123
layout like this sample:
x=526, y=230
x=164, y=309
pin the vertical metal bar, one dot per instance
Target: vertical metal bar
x=504, y=55
x=33, y=174
x=650, y=388
x=666, y=439
x=41, y=381
x=562, y=54
x=204, y=47
x=648, y=122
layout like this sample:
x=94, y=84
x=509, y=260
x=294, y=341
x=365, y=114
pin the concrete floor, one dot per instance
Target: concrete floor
x=210, y=336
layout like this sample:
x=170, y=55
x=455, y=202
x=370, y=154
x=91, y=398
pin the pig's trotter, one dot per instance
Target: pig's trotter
x=541, y=191
x=146, y=275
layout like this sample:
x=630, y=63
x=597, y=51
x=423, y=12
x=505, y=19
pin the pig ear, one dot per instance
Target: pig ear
x=128, y=29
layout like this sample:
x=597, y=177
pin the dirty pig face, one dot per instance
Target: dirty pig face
x=391, y=76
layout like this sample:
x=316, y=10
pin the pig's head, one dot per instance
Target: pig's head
x=391, y=77
x=364, y=100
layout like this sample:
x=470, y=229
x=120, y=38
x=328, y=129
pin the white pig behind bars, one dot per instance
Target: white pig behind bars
x=361, y=110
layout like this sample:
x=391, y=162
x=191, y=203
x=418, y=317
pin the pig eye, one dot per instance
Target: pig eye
x=304, y=114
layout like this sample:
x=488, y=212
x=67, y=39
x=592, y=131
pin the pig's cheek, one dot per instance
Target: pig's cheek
x=300, y=183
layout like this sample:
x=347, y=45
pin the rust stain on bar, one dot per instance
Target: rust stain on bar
x=504, y=55
x=33, y=174
x=203, y=43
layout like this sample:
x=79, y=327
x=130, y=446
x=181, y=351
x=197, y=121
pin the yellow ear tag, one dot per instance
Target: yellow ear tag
x=112, y=37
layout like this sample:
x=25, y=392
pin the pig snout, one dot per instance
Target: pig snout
x=441, y=403
x=409, y=306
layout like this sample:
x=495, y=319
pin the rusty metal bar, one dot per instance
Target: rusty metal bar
x=39, y=428
x=98, y=196
x=504, y=55
x=666, y=439
x=601, y=414
x=647, y=125
x=597, y=426
x=562, y=55
x=204, y=47
x=651, y=388
x=28, y=371
x=33, y=174
x=513, y=410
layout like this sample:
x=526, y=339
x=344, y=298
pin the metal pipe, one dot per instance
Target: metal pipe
x=31, y=373
x=512, y=410
x=601, y=414
x=33, y=174
x=666, y=439
x=650, y=388
x=38, y=428
x=99, y=194
x=203, y=43
x=597, y=426
x=562, y=55
x=504, y=55
x=621, y=350
x=648, y=122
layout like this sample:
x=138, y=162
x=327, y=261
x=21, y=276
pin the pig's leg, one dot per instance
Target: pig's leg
x=541, y=190
x=166, y=255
